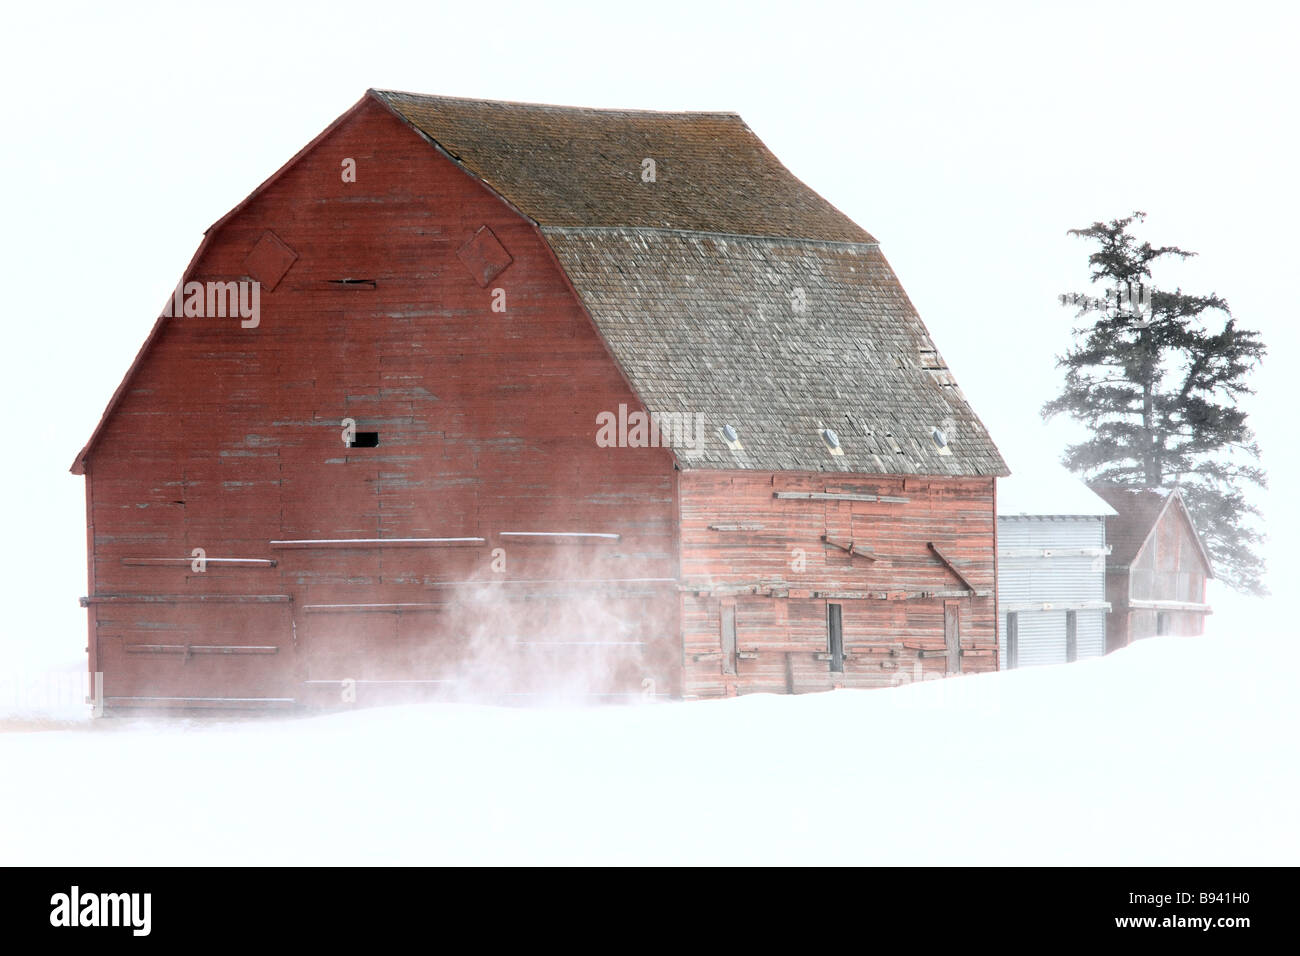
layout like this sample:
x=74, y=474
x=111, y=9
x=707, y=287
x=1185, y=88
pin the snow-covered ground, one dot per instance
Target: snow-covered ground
x=1175, y=751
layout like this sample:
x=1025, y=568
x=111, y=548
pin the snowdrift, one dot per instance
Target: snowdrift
x=1174, y=751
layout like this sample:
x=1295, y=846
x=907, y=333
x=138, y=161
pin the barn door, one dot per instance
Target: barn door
x=835, y=636
x=952, y=635
x=728, y=637
x=160, y=652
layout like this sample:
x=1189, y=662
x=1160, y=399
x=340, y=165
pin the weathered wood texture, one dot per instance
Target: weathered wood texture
x=782, y=574
x=228, y=438
x=1163, y=589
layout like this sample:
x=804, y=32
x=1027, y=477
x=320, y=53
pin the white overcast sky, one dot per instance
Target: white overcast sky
x=967, y=138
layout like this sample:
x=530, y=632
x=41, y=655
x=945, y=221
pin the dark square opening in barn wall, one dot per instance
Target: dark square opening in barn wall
x=1162, y=623
x=1013, y=639
x=835, y=636
x=364, y=440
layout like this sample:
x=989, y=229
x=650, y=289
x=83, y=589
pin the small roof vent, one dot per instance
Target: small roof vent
x=832, y=441
x=732, y=438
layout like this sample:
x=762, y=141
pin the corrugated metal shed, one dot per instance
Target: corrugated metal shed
x=1051, y=568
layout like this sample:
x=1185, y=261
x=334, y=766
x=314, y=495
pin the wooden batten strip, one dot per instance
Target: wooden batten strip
x=186, y=599
x=1056, y=606
x=187, y=562
x=838, y=496
x=899, y=595
x=371, y=608
x=850, y=547
x=1191, y=607
x=1053, y=552
x=188, y=649
x=784, y=591
x=575, y=584
x=735, y=527
x=554, y=537
x=360, y=683
x=204, y=702
x=578, y=643
x=949, y=565
x=323, y=543
x=868, y=650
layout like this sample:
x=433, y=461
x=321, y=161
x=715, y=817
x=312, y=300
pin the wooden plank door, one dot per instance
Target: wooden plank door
x=728, y=636
x=952, y=635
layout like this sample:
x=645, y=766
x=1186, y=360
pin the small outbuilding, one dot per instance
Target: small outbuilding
x=1051, y=568
x=1158, y=567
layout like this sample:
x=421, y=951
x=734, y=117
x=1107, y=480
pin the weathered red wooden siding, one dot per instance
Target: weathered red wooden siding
x=228, y=439
x=781, y=625
x=1168, y=568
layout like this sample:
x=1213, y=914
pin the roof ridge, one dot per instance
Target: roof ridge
x=586, y=166
x=666, y=230
x=557, y=106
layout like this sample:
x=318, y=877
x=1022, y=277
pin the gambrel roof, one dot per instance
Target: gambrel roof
x=701, y=322
x=724, y=287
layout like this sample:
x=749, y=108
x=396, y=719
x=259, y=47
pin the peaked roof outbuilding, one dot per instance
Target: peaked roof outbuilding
x=1138, y=511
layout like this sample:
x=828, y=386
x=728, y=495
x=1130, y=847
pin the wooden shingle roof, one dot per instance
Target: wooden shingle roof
x=569, y=166
x=707, y=324
x=725, y=288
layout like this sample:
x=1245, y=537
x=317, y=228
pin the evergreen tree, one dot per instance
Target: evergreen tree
x=1156, y=377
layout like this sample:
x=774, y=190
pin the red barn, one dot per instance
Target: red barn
x=486, y=399
x=1157, y=570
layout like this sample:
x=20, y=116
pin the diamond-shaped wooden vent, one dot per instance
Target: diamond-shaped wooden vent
x=269, y=260
x=484, y=256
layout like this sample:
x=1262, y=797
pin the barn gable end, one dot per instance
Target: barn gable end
x=229, y=440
